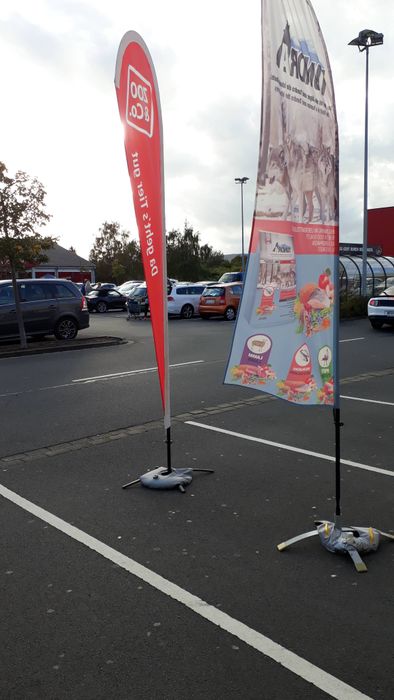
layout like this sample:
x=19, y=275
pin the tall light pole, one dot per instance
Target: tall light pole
x=365, y=39
x=241, y=181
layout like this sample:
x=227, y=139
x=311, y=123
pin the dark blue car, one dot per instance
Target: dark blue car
x=104, y=299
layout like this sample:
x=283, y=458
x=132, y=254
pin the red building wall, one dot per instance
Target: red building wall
x=381, y=229
x=74, y=276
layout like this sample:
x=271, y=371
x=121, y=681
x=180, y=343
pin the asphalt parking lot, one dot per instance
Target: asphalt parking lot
x=112, y=593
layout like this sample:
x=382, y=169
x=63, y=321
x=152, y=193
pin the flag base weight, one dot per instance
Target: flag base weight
x=349, y=540
x=162, y=478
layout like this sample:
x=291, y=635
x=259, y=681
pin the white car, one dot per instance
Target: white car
x=127, y=287
x=381, y=308
x=183, y=300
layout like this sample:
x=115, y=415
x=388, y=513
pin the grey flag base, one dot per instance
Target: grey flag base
x=351, y=540
x=162, y=478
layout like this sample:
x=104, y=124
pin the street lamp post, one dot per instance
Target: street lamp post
x=365, y=39
x=241, y=181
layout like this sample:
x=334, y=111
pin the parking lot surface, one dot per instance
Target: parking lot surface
x=136, y=593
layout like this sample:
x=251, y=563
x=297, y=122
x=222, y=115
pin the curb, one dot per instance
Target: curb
x=61, y=346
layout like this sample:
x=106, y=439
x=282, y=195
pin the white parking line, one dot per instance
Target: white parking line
x=99, y=378
x=116, y=375
x=350, y=340
x=291, y=661
x=357, y=398
x=290, y=448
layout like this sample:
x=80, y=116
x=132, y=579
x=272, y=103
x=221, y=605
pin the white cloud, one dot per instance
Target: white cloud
x=60, y=118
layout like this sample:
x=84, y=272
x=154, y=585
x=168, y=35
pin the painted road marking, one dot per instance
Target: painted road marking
x=357, y=398
x=99, y=378
x=133, y=371
x=290, y=448
x=350, y=340
x=291, y=661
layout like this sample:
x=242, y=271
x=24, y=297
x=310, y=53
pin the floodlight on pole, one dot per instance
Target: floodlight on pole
x=365, y=39
x=241, y=181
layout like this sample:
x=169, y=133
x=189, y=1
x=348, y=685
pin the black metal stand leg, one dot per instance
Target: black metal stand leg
x=168, y=443
x=131, y=483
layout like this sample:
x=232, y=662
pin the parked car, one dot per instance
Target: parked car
x=103, y=299
x=232, y=277
x=127, y=287
x=132, y=289
x=221, y=300
x=381, y=309
x=49, y=307
x=184, y=299
x=103, y=285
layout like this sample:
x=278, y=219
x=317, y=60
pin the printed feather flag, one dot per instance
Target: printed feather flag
x=286, y=337
x=139, y=109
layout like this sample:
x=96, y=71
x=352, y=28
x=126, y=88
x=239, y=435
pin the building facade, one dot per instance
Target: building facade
x=61, y=263
x=381, y=229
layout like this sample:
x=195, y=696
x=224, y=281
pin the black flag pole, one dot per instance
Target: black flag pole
x=333, y=536
x=338, y=426
x=167, y=477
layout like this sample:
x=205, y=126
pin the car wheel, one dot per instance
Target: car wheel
x=66, y=329
x=101, y=307
x=187, y=311
x=229, y=314
x=376, y=324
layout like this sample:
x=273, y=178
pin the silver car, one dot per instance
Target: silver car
x=49, y=307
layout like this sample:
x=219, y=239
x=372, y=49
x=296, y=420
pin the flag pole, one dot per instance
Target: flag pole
x=337, y=397
x=138, y=98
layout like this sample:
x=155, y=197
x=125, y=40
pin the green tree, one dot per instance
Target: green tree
x=212, y=263
x=117, y=258
x=236, y=263
x=22, y=212
x=187, y=259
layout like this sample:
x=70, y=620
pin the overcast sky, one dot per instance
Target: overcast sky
x=60, y=121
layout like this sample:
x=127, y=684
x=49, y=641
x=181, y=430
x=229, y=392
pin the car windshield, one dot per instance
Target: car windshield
x=140, y=292
x=389, y=292
x=94, y=293
x=231, y=277
x=213, y=292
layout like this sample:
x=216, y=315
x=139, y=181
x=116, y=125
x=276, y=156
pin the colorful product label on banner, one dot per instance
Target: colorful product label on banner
x=299, y=382
x=290, y=286
x=277, y=264
x=325, y=393
x=254, y=367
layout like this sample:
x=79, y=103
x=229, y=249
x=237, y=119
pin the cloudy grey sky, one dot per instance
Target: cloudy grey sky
x=60, y=118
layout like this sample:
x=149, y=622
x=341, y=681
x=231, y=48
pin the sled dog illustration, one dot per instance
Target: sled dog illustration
x=277, y=170
x=326, y=184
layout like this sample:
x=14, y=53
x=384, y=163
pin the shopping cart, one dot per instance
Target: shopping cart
x=136, y=309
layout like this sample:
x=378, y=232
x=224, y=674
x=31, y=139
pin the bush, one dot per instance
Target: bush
x=353, y=307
